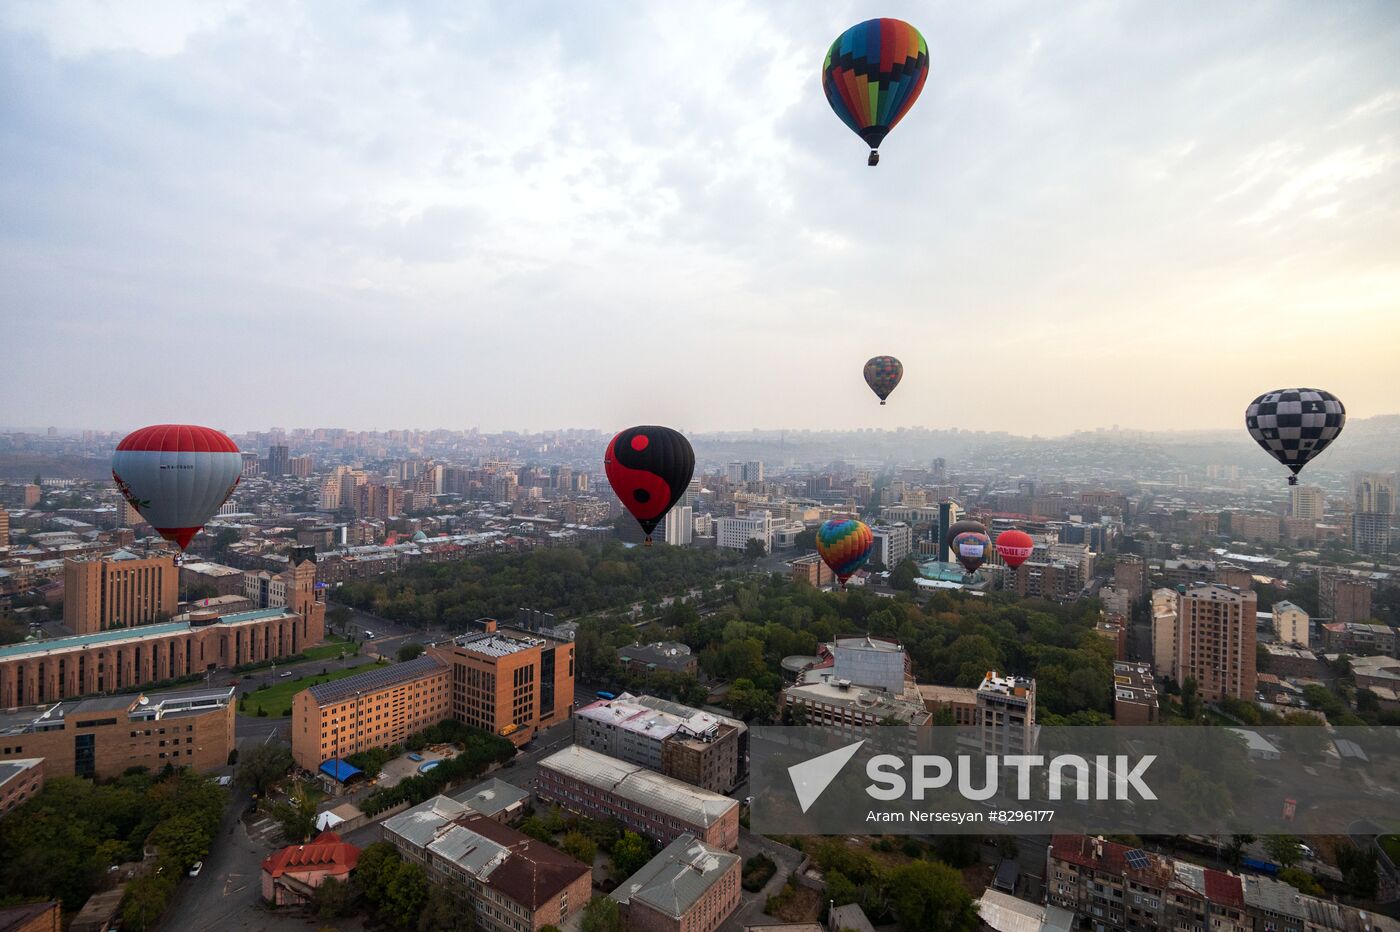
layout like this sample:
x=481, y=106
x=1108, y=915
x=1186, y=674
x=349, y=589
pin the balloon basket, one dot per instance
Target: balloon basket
x=874, y=158
x=648, y=541
x=1292, y=480
x=882, y=404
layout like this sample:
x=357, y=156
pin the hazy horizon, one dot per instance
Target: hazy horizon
x=536, y=214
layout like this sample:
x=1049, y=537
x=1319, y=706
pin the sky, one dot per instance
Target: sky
x=537, y=215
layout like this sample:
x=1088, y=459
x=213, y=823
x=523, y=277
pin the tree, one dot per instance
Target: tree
x=442, y=913
x=904, y=575
x=1234, y=848
x=755, y=549
x=630, y=854
x=297, y=816
x=1284, y=849
x=332, y=899
x=926, y=895
x=602, y=915
x=580, y=846
x=840, y=890
x=261, y=767
x=405, y=895
x=1301, y=881
x=1359, y=871
x=1190, y=700
x=373, y=869
x=410, y=651
x=145, y=899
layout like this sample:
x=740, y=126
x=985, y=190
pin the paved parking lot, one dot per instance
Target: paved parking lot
x=401, y=768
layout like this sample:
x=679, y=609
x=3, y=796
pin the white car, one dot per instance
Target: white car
x=198, y=866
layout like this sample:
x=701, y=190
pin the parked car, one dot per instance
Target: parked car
x=415, y=757
x=198, y=866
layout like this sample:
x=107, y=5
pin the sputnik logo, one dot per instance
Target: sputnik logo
x=811, y=777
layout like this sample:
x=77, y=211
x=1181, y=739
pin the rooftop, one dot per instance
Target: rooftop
x=636, y=784
x=673, y=881
x=629, y=713
x=325, y=854
x=492, y=797
x=374, y=680
x=498, y=643
x=138, y=633
x=157, y=706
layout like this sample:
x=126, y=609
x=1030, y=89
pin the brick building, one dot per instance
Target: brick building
x=120, y=590
x=106, y=735
x=374, y=709
x=1134, y=694
x=657, y=806
x=20, y=779
x=698, y=747
x=510, y=682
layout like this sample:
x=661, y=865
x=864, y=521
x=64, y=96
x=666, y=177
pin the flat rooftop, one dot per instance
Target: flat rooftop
x=637, y=785
x=136, y=633
x=629, y=714
x=384, y=677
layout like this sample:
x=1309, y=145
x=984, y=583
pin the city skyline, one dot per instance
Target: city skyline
x=1141, y=216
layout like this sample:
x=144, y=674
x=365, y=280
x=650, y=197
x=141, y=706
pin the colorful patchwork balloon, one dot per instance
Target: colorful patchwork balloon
x=970, y=549
x=873, y=73
x=845, y=545
x=882, y=374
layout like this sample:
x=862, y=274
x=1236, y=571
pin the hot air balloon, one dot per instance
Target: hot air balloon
x=649, y=468
x=873, y=73
x=959, y=527
x=1015, y=547
x=1295, y=424
x=176, y=476
x=970, y=549
x=845, y=544
x=882, y=374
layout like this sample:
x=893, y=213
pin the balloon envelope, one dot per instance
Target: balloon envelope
x=959, y=527
x=649, y=468
x=1295, y=424
x=970, y=549
x=845, y=545
x=176, y=476
x=1015, y=547
x=882, y=374
x=872, y=75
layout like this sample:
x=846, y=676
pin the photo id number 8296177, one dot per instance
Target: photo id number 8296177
x=1020, y=815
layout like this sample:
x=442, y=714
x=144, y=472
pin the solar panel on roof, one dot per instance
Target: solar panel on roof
x=1136, y=859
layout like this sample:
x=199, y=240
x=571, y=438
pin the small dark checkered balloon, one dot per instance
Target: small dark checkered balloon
x=1295, y=424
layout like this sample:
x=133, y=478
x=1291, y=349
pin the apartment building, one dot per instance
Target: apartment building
x=508, y=881
x=656, y=806
x=1006, y=714
x=374, y=709
x=688, y=887
x=1134, y=694
x=698, y=747
x=119, y=590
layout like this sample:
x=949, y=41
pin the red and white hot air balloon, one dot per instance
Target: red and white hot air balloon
x=176, y=476
x=1014, y=546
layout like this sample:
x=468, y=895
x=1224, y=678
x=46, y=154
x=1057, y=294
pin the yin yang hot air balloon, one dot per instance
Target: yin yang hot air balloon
x=176, y=476
x=873, y=73
x=882, y=374
x=1295, y=424
x=1014, y=547
x=649, y=468
x=845, y=545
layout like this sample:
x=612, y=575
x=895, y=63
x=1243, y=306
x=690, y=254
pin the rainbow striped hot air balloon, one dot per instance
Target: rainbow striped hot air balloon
x=845, y=545
x=873, y=73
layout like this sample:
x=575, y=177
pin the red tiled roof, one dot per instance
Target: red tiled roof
x=1079, y=849
x=325, y=854
x=1224, y=889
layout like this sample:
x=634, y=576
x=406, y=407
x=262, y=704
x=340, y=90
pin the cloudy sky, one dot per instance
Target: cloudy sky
x=536, y=215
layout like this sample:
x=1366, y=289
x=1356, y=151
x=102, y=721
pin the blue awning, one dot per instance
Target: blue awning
x=337, y=769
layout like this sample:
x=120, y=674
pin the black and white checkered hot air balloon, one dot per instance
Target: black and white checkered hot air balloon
x=1295, y=424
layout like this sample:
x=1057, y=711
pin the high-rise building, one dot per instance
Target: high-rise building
x=1130, y=575
x=251, y=466
x=302, y=466
x=278, y=461
x=1291, y=624
x=1344, y=598
x=119, y=590
x=1370, y=532
x=4, y=527
x=753, y=471
x=1166, y=609
x=1215, y=641
x=735, y=532
x=1006, y=714
x=1306, y=501
x=19, y=495
x=511, y=682
x=679, y=528
x=949, y=513
x=893, y=544
x=1373, y=492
